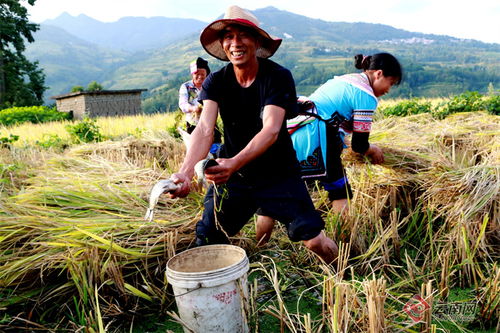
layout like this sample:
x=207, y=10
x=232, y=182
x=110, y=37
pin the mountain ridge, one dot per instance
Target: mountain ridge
x=313, y=49
x=129, y=33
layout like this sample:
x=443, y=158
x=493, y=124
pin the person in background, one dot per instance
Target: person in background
x=258, y=168
x=188, y=99
x=353, y=99
x=189, y=91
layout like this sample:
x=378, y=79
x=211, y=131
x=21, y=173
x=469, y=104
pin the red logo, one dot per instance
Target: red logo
x=415, y=308
x=225, y=297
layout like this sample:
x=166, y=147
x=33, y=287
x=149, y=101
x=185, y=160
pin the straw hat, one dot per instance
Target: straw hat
x=210, y=36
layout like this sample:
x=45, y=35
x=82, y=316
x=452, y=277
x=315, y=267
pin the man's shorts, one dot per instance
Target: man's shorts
x=286, y=201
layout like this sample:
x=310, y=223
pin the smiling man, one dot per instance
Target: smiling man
x=258, y=169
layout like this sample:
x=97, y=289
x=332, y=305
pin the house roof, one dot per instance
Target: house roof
x=99, y=92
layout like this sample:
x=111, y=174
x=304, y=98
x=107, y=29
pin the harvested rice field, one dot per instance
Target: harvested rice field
x=423, y=228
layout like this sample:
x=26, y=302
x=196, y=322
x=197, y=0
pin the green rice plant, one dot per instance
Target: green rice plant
x=406, y=107
x=85, y=131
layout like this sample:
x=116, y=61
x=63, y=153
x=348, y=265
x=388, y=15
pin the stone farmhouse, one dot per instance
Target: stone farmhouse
x=100, y=103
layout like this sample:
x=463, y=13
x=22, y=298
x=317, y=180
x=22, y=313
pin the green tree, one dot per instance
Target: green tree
x=77, y=89
x=94, y=86
x=21, y=81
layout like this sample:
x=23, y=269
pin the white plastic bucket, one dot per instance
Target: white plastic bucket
x=210, y=288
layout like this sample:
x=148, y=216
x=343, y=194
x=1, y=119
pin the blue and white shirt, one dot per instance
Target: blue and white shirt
x=352, y=97
x=188, y=96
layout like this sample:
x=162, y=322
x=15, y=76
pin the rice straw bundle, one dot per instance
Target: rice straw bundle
x=165, y=154
x=375, y=299
x=74, y=241
x=83, y=218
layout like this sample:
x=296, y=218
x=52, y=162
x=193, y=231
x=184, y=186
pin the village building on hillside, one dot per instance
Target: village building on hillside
x=100, y=103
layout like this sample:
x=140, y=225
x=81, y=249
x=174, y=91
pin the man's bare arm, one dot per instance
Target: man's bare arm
x=199, y=146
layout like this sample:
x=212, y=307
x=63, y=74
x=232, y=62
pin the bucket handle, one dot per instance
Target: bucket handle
x=187, y=292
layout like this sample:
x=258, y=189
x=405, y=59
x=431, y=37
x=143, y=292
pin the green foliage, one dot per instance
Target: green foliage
x=407, y=107
x=21, y=81
x=52, y=141
x=33, y=114
x=6, y=142
x=94, y=86
x=77, y=89
x=165, y=99
x=492, y=104
x=466, y=102
x=178, y=120
x=85, y=131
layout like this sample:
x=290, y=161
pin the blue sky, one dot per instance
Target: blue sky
x=479, y=19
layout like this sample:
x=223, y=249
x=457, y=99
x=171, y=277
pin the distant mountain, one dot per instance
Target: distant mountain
x=315, y=50
x=154, y=53
x=128, y=33
x=68, y=61
x=301, y=28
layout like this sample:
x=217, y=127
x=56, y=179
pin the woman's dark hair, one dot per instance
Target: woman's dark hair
x=384, y=61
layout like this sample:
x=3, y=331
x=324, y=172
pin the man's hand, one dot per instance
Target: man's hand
x=219, y=174
x=184, y=189
x=375, y=154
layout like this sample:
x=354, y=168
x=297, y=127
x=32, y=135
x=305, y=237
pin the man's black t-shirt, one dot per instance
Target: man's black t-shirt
x=241, y=112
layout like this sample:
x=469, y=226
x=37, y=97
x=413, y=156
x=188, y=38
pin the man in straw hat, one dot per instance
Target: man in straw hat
x=258, y=169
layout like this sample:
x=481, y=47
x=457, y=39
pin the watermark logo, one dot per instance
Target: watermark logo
x=450, y=311
x=456, y=311
x=416, y=307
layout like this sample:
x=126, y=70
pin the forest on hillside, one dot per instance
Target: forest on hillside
x=314, y=50
x=430, y=71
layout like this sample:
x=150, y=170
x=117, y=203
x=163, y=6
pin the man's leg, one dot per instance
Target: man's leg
x=340, y=206
x=233, y=212
x=263, y=229
x=324, y=247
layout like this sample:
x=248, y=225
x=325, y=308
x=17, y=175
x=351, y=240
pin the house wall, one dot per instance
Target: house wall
x=74, y=104
x=101, y=105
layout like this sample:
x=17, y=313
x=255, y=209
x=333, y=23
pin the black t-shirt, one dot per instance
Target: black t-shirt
x=241, y=113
